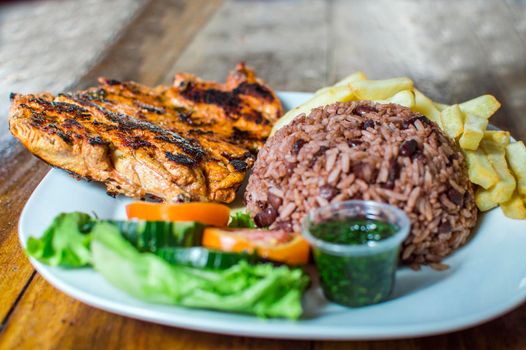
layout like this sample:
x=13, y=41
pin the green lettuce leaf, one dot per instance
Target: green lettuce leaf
x=64, y=243
x=263, y=289
x=241, y=220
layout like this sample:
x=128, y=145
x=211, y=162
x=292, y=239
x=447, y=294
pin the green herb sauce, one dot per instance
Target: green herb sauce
x=356, y=280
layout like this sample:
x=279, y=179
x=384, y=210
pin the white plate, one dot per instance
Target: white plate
x=486, y=279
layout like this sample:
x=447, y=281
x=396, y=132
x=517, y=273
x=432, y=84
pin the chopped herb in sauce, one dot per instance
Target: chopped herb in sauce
x=356, y=279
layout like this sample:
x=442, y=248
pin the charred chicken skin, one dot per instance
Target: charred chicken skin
x=193, y=141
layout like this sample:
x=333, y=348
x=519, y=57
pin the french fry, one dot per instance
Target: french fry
x=323, y=90
x=424, y=105
x=474, y=127
x=356, y=76
x=483, y=200
x=440, y=106
x=380, y=89
x=453, y=120
x=480, y=170
x=516, y=156
x=514, y=207
x=332, y=95
x=483, y=106
x=404, y=98
x=504, y=188
x=498, y=138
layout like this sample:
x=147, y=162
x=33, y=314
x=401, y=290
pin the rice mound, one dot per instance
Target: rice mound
x=364, y=150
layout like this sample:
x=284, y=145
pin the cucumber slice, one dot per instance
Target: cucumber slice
x=203, y=258
x=150, y=236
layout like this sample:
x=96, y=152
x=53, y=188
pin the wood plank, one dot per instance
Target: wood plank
x=285, y=41
x=507, y=332
x=19, y=177
x=153, y=42
x=431, y=42
x=48, y=319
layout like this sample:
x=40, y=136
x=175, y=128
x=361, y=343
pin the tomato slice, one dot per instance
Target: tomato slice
x=280, y=246
x=213, y=214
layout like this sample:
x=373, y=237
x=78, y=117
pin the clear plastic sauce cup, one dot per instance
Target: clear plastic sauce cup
x=362, y=272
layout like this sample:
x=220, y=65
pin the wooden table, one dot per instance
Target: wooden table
x=454, y=50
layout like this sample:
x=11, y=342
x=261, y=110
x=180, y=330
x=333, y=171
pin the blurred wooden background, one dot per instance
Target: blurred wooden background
x=453, y=50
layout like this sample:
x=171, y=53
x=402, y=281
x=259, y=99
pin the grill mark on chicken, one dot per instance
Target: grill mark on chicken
x=244, y=156
x=71, y=123
x=97, y=140
x=136, y=143
x=112, y=82
x=64, y=136
x=228, y=101
x=239, y=165
x=180, y=159
x=254, y=89
x=150, y=108
x=96, y=95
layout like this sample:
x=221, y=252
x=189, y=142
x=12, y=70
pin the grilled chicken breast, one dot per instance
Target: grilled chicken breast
x=193, y=141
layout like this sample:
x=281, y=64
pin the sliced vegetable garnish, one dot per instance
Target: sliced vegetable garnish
x=279, y=246
x=212, y=214
x=262, y=289
x=204, y=258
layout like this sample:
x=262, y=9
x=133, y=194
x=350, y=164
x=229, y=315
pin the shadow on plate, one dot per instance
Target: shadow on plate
x=409, y=281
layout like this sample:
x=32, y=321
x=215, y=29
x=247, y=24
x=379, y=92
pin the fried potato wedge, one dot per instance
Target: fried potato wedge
x=474, y=127
x=514, y=207
x=483, y=199
x=440, y=106
x=424, y=105
x=504, y=188
x=516, y=156
x=353, y=78
x=404, y=98
x=332, y=95
x=498, y=138
x=453, y=120
x=380, y=89
x=483, y=106
x=480, y=170
x=357, y=76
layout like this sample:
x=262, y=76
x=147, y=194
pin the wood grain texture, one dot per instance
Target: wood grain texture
x=48, y=319
x=153, y=42
x=20, y=175
x=506, y=332
x=454, y=50
x=285, y=41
